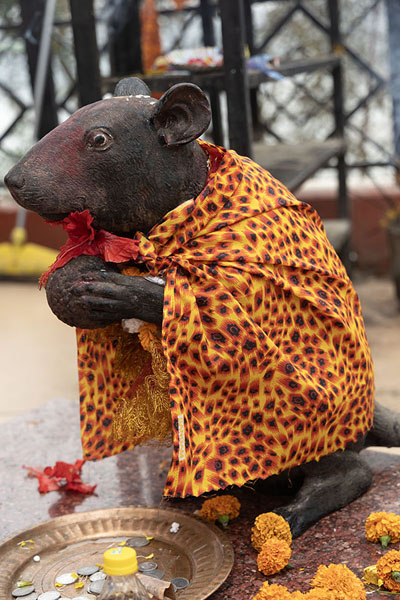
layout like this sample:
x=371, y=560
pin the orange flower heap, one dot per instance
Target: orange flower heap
x=383, y=527
x=268, y=525
x=221, y=508
x=274, y=556
x=340, y=580
x=388, y=567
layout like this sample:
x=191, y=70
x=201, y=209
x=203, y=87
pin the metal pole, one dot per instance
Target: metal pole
x=43, y=62
x=236, y=80
x=336, y=46
x=86, y=51
x=39, y=85
x=206, y=12
x=125, y=38
x=32, y=15
x=393, y=9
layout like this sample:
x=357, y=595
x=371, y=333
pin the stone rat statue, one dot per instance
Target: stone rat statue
x=266, y=356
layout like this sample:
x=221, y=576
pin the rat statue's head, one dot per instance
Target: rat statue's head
x=128, y=159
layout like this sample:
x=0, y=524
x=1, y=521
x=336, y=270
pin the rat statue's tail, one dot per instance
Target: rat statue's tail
x=385, y=429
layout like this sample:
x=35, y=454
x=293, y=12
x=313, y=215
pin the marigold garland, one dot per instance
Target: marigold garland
x=268, y=525
x=221, y=508
x=341, y=580
x=383, y=527
x=388, y=567
x=274, y=556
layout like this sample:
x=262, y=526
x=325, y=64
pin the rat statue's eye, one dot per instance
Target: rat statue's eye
x=99, y=139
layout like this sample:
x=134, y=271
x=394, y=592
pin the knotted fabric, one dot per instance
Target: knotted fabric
x=262, y=334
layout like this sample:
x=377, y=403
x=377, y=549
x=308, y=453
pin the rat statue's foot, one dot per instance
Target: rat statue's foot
x=330, y=484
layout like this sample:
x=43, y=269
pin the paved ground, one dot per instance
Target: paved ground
x=38, y=361
x=37, y=352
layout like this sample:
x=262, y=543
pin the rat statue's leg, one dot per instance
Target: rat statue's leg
x=330, y=484
x=90, y=293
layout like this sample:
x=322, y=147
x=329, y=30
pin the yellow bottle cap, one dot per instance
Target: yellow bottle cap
x=120, y=561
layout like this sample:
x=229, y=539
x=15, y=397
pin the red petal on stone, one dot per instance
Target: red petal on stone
x=81, y=487
x=50, y=478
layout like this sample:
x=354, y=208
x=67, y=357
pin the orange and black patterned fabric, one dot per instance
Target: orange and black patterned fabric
x=262, y=332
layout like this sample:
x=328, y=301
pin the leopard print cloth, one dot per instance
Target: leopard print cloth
x=262, y=332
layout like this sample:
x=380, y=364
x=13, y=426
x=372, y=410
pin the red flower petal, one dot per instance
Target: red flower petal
x=53, y=478
x=46, y=483
x=80, y=487
x=78, y=225
x=84, y=239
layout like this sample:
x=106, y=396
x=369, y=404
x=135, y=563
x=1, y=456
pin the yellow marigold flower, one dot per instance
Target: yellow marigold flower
x=342, y=581
x=388, y=567
x=383, y=527
x=268, y=525
x=273, y=592
x=371, y=576
x=221, y=508
x=274, y=556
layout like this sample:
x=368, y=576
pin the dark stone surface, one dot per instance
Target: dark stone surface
x=51, y=433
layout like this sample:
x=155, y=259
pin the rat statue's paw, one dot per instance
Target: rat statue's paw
x=70, y=287
x=90, y=293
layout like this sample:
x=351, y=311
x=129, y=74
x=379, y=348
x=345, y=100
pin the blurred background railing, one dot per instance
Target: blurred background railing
x=335, y=55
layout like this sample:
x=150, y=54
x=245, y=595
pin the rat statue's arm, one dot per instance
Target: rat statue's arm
x=90, y=293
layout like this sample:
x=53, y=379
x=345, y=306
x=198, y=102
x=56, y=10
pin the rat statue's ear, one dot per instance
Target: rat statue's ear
x=182, y=114
x=131, y=86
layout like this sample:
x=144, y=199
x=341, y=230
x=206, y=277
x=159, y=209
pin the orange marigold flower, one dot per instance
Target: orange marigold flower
x=383, y=527
x=342, y=581
x=274, y=556
x=273, y=592
x=222, y=508
x=388, y=567
x=268, y=525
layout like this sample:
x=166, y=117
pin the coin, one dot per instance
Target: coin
x=96, y=587
x=180, y=583
x=24, y=591
x=66, y=578
x=148, y=565
x=137, y=542
x=53, y=595
x=157, y=574
x=98, y=576
x=88, y=570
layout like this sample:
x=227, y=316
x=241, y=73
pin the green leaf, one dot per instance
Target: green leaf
x=223, y=519
x=385, y=540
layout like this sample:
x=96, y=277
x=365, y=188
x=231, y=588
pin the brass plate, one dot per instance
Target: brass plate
x=199, y=551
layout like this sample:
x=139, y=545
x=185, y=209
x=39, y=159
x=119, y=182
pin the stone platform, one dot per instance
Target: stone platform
x=51, y=432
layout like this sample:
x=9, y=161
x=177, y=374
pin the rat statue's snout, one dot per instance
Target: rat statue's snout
x=15, y=180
